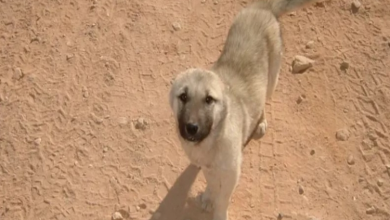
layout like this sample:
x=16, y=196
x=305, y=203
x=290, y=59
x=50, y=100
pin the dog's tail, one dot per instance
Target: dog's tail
x=280, y=7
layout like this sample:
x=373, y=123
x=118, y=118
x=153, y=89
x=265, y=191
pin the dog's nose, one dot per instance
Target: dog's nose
x=192, y=129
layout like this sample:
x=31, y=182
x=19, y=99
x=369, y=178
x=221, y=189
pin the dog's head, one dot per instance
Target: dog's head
x=198, y=101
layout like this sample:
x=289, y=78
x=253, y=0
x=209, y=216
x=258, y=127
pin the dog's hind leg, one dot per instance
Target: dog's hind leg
x=261, y=128
x=275, y=59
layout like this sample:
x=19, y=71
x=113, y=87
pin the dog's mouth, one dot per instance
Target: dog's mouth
x=191, y=139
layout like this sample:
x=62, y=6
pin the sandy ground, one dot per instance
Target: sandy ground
x=86, y=129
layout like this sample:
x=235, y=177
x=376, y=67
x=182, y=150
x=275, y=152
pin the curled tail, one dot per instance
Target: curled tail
x=279, y=7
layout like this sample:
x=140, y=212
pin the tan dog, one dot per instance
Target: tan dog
x=218, y=111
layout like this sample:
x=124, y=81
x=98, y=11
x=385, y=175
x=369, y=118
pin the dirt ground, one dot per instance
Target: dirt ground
x=86, y=129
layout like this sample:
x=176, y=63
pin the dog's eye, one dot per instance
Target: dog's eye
x=209, y=100
x=183, y=97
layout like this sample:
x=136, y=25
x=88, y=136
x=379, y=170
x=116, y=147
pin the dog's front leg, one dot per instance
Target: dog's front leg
x=207, y=197
x=228, y=180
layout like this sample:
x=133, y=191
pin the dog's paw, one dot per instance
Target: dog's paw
x=260, y=130
x=205, y=201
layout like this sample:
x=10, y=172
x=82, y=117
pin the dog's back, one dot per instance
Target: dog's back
x=250, y=61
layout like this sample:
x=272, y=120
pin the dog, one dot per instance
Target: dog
x=218, y=111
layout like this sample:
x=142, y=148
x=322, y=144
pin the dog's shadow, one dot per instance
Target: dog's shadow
x=177, y=205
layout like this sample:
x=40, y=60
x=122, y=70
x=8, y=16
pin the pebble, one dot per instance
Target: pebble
x=355, y=6
x=312, y=152
x=301, y=63
x=351, y=160
x=117, y=216
x=280, y=216
x=38, y=141
x=301, y=191
x=105, y=149
x=342, y=135
x=96, y=119
x=141, y=124
x=309, y=44
x=69, y=56
x=85, y=92
x=18, y=73
x=176, y=26
x=344, y=65
x=300, y=99
x=292, y=13
x=370, y=210
x=380, y=182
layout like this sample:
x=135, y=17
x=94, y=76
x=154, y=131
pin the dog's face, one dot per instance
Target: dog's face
x=198, y=102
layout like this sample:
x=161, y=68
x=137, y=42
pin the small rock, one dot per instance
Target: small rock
x=300, y=99
x=280, y=216
x=85, y=92
x=370, y=210
x=342, y=135
x=38, y=141
x=176, y=26
x=355, y=6
x=96, y=119
x=292, y=13
x=69, y=56
x=117, y=216
x=301, y=64
x=105, y=149
x=300, y=189
x=215, y=2
x=18, y=73
x=351, y=160
x=312, y=152
x=141, y=124
x=344, y=66
x=309, y=44
x=380, y=182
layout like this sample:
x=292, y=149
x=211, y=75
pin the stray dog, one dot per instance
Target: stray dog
x=219, y=111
